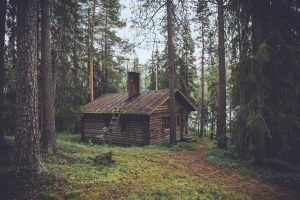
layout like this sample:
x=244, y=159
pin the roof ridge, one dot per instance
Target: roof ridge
x=144, y=103
x=111, y=93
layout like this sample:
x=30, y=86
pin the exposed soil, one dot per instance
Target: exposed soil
x=196, y=165
x=190, y=163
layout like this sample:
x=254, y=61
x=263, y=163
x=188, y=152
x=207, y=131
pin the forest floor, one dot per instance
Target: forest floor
x=184, y=171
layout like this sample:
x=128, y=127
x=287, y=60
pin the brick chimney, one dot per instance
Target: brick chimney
x=133, y=85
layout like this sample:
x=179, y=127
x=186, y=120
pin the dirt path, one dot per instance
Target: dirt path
x=196, y=165
x=144, y=173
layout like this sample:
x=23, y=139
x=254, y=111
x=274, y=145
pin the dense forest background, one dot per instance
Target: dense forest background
x=261, y=57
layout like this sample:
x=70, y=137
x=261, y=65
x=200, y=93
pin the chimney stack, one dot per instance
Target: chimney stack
x=133, y=85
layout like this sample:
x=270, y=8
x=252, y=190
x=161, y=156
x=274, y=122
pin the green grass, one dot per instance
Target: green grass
x=275, y=171
x=49, y=196
x=137, y=173
x=150, y=172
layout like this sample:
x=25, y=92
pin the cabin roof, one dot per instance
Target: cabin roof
x=144, y=103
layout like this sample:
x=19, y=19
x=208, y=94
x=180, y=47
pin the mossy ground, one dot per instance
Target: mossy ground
x=151, y=172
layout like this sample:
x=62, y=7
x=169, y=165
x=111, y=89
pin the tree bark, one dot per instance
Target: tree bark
x=105, y=85
x=57, y=60
x=212, y=127
x=27, y=128
x=202, y=82
x=239, y=31
x=221, y=116
x=91, y=53
x=259, y=35
x=48, y=132
x=2, y=66
x=171, y=67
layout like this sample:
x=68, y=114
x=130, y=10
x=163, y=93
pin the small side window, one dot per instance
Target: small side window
x=106, y=122
x=124, y=126
x=178, y=120
x=166, y=122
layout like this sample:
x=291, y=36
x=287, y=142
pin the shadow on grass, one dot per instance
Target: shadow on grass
x=275, y=171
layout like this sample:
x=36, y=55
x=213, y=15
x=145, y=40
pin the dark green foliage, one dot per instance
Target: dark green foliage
x=186, y=70
x=271, y=77
x=71, y=35
x=70, y=31
x=158, y=65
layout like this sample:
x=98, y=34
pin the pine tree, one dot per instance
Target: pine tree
x=202, y=19
x=48, y=133
x=259, y=35
x=91, y=52
x=221, y=117
x=202, y=81
x=171, y=72
x=27, y=128
x=260, y=79
x=2, y=66
x=186, y=73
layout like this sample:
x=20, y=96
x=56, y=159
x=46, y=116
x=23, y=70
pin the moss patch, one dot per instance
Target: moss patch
x=151, y=172
x=276, y=171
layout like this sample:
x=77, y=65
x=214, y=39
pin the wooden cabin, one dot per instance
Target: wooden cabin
x=134, y=118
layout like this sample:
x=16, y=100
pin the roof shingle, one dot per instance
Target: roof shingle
x=144, y=103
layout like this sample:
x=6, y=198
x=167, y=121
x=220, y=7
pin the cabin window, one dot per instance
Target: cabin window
x=166, y=122
x=178, y=120
x=106, y=122
x=124, y=126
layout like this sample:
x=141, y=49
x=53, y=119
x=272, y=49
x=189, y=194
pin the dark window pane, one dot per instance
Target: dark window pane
x=124, y=126
x=166, y=122
x=178, y=120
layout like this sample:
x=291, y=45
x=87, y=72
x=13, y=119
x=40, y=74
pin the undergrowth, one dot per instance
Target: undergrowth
x=276, y=171
x=137, y=173
x=150, y=172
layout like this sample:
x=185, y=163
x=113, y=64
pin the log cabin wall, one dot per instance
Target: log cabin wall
x=92, y=127
x=132, y=129
x=160, y=135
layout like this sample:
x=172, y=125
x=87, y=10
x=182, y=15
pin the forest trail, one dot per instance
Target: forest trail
x=197, y=166
x=151, y=172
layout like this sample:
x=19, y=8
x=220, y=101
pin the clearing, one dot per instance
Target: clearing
x=151, y=172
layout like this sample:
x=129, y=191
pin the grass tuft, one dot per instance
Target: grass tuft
x=73, y=194
x=49, y=196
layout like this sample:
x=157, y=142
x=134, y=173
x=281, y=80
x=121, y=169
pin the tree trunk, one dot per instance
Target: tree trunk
x=27, y=128
x=212, y=126
x=2, y=66
x=57, y=61
x=202, y=83
x=259, y=35
x=221, y=116
x=239, y=31
x=48, y=132
x=171, y=72
x=91, y=54
x=105, y=90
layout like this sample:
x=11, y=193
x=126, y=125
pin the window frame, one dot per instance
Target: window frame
x=178, y=120
x=123, y=126
x=166, y=123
